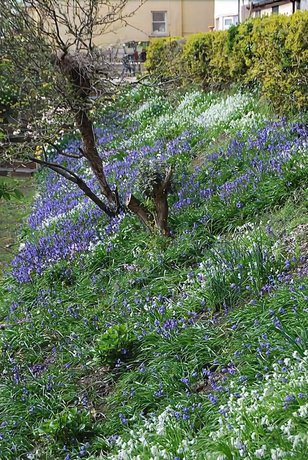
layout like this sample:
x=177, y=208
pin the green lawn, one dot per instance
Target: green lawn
x=12, y=214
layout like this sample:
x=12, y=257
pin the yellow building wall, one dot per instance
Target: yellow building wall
x=198, y=16
x=183, y=17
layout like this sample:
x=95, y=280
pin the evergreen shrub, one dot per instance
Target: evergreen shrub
x=268, y=53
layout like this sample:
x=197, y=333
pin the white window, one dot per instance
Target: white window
x=159, y=25
x=229, y=21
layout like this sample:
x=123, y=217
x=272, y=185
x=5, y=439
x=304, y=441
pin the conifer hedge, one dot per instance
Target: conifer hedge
x=268, y=53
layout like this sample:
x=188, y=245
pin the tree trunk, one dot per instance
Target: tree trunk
x=161, y=204
x=162, y=210
x=90, y=152
x=81, y=87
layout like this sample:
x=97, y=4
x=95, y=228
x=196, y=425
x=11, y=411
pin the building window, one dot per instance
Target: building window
x=257, y=14
x=229, y=21
x=159, y=22
x=275, y=9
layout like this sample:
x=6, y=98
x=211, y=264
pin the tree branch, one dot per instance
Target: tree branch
x=65, y=154
x=72, y=177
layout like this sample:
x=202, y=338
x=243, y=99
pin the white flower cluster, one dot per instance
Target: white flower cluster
x=248, y=121
x=148, y=440
x=191, y=99
x=224, y=110
x=148, y=108
x=261, y=423
x=196, y=110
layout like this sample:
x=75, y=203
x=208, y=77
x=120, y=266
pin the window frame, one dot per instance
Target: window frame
x=157, y=32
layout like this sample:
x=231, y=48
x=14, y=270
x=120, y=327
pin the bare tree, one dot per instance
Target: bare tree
x=52, y=46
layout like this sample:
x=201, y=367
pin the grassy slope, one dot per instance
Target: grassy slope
x=157, y=341
x=12, y=215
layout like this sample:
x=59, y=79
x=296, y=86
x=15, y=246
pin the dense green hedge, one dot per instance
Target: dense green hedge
x=164, y=55
x=270, y=53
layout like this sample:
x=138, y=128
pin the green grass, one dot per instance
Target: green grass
x=13, y=213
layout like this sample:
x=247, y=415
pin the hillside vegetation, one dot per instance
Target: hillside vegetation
x=119, y=344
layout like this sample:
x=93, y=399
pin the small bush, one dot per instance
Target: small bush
x=117, y=340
